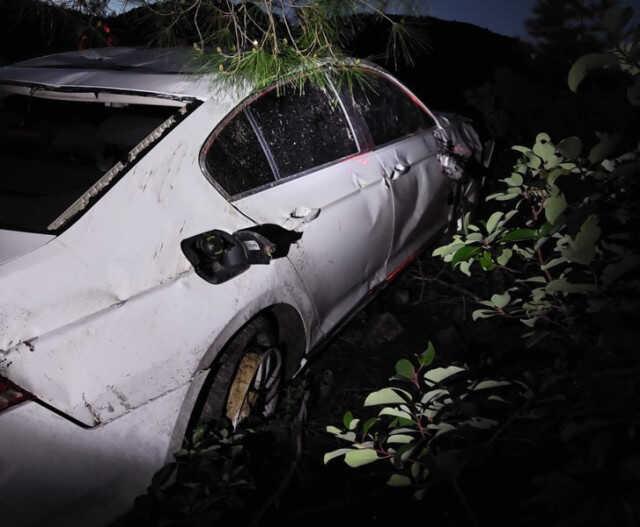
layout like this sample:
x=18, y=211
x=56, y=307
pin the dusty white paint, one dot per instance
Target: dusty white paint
x=14, y=244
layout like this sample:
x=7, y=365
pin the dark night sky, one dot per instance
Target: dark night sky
x=502, y=16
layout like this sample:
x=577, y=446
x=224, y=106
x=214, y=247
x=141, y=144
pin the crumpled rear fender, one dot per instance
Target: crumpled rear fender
x=110, y=315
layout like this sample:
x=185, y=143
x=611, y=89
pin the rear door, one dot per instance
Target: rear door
x=323, y=187
x=405, y=147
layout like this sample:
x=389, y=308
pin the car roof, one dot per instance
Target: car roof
x=169, y=72
x=178, y=73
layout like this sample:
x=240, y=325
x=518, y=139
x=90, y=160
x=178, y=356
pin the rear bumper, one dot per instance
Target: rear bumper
x=53, y=472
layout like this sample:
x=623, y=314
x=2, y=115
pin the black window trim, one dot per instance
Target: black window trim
x=275, y=169
x=244, y=107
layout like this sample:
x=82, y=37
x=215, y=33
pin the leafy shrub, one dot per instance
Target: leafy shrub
x=561, y=233
x=430, y=419
x=545, y=231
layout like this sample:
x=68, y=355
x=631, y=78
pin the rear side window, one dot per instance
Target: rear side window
x=236, y=160
x=388, y=111
x=52, y=152
x=303, y=130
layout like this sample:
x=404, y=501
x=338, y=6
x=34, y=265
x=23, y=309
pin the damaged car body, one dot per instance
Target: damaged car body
x=170, y=251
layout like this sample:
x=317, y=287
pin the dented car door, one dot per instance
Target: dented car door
x=325, y=189
x=401, y=133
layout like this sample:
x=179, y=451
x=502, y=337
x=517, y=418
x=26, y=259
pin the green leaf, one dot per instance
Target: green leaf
x=405, y=452
x=501, y=301
x=464, y=253
x=368, y=424
x=521, y=149
x=428, y=356
x=394, y=412
x=465, y=268
x=437, y=375
x=482, y=313
x=588, y=63
x=570, y=148
x=335, y=453
x=404, y=368
x=504, y=257
x=515, y=180
x=545, y=150
x=535, y=280
x=400, y=439
x=554, y=206
x=398, y=480
x=346, y=420
x=493, y=220
x=474, y=237
x=348, y=436
x=518, y=235
x=486, y=262
x=434, y=394
x=505, y=197
x=358, y=458
x=534, y=162
x=333, y=430
x=447, y=249
x=384, y=396
x=545, y=230
x=553, y=263
x=405, y=430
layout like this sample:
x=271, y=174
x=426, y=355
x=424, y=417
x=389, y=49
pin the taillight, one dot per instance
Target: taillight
x=10, y=394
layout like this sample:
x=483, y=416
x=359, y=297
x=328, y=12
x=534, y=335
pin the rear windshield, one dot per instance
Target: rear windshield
x=52, y=152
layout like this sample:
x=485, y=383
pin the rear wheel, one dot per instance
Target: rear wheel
x=245, y=380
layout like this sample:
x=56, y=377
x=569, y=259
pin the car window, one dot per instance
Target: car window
x=235, y=159
x=53, y=153
x=388, y=111
x=303, y=130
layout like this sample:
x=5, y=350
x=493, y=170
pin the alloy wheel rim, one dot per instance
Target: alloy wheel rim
x=254, y=389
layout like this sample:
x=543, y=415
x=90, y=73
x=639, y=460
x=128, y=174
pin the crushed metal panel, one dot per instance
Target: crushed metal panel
x=346, y=244
x=96, y=379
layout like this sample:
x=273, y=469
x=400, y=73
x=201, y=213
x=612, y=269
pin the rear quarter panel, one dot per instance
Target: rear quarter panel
x=110, y=315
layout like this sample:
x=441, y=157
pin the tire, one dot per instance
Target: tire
x=245, y=379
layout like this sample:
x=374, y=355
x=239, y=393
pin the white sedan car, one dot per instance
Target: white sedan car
x=170, y=249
